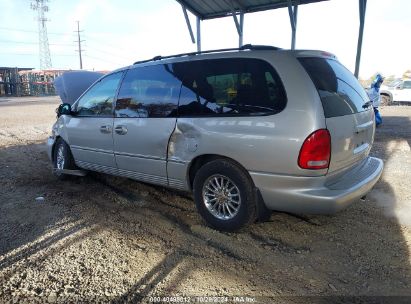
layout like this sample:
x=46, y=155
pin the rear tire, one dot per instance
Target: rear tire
x=225, y=195
x=62, y=158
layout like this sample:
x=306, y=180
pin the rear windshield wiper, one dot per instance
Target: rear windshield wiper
x=367, y=104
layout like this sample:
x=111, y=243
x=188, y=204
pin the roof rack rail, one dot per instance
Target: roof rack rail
x=244, y=47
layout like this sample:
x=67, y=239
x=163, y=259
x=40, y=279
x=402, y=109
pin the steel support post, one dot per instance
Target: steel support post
x=292, y=11
x=198, y=34
x=239, y=26
x=188, y=24
x=362, y=6
x=241, y=34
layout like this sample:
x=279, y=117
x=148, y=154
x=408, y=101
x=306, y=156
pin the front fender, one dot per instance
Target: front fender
x=59, y=130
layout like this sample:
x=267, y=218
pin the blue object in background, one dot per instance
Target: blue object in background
x=378, y=118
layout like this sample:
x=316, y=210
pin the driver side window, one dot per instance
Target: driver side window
x=98, y=101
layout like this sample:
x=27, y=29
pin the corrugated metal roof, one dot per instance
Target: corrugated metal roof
x=208, y=9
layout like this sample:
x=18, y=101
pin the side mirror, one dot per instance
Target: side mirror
x=398, y=87
x=64, y=109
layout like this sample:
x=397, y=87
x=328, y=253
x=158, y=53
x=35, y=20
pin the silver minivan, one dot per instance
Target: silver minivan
x=246, y=131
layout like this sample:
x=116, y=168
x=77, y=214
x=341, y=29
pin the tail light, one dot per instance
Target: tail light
x=316, y=151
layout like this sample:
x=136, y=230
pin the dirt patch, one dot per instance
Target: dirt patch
x=103, y=238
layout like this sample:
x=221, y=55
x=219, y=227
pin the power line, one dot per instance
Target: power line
x=102, y=60
x=29, y=42
x=29, y=31
x=87, y=37
x=107, y=53
x=105, y=45
x=31, y=54
x=101, y=42
x=80, y=46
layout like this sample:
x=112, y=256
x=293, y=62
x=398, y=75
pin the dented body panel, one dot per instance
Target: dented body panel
x=257, y=143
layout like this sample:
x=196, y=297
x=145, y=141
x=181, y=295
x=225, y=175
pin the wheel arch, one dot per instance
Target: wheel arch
x=53, y=148
x=387, y=93
x=58, y=138
x=203, y=159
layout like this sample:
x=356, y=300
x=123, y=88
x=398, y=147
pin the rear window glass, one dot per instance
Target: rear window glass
x=229, y=87
x=340, y=92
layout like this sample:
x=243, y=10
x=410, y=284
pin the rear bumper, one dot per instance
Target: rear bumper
x=318, y=195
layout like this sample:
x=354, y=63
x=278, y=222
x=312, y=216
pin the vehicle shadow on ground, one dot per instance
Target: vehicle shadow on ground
x=33, y=230
x=23, y=218
x=359, y=251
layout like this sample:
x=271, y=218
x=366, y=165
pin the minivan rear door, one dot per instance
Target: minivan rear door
x=348, y=114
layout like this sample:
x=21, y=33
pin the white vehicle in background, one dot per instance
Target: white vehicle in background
x=396, y=92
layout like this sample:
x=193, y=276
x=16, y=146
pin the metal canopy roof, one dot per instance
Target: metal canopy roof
x=208, y=9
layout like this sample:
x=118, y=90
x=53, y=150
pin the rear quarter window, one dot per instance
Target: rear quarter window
x=340, y=92
x=229, y=87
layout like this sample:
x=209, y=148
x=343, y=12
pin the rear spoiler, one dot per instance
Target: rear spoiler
x=315, y=53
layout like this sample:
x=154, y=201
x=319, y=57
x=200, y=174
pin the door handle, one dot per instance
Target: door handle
x=105, y=129
x=121, y=130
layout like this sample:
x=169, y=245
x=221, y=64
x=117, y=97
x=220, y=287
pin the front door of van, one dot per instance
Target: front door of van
x=145, y=117
x=90, y=129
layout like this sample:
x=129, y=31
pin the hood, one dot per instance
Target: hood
x=71, y=85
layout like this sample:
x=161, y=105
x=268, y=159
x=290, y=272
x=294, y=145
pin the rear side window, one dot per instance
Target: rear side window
x=150, y=91
x=229, y=87
x=407, y=85
x=340, y=92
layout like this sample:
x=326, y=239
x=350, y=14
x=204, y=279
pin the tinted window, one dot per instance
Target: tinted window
x=340, y=92
x=98, y=101
x=230, y=87
x=407, y=85
x=394, y=83
x=150, y=91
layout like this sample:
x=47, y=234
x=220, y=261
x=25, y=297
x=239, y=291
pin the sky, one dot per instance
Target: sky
x=117, y=33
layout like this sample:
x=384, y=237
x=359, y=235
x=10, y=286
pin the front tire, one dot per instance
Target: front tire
x=385, y=100
x=62, y=158
x=224, y=195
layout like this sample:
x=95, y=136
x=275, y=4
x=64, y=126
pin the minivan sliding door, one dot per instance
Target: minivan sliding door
x=145, y=117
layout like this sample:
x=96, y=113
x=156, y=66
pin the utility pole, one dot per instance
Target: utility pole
x=44, y=50
x=79, y=41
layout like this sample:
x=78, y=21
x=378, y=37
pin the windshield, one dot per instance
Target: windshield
x=393, y=83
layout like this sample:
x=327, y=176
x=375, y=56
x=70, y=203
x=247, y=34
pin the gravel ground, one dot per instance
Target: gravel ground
x=103, y=238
